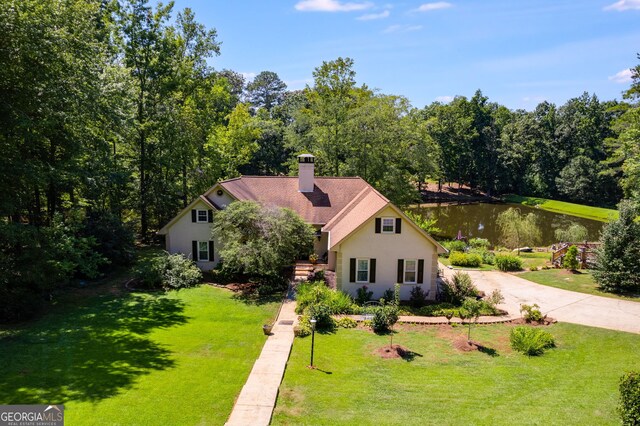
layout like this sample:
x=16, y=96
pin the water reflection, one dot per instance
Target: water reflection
x=479, y=220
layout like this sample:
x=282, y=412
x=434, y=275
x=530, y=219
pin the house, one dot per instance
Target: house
x=364, y=238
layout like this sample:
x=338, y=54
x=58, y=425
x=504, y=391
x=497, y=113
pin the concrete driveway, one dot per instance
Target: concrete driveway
x=563, y=305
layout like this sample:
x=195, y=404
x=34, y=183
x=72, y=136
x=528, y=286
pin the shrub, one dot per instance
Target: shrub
x=531, y=313
x=418, y=297
x=346, y=322
x=508, y=262
x=363, y=295
x=180, y=272
x=169, y=272
x=322, y=314
x=388, y=295
x=384, y=317
x=311, y=293
x=570, y=260
x=454, y=245
x=458, y=288
x=531, y=341
x=629, y=407
x=115, y=240
x=481, y=243
x=340, y=303
x=487, y=256
x=465, y=259
x=270, y=283
x=303, y=328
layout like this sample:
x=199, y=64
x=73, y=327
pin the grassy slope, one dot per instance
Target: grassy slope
x=445, y=387
x=137, y=358
x=581, y=282
x=588, y=212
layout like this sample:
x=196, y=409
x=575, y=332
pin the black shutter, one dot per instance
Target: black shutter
x=352, y=270
x=194, y=250
x=210, y=216
x=210, y=249
x=398, y=225
x=420, y=271
x=400, y=271
x=372, y=270
x=193, y=215
x=378, y=225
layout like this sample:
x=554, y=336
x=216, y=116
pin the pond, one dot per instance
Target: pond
x=479, y=220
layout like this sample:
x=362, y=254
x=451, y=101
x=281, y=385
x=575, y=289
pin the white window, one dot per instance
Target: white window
x=203, y=250
x=362, y=271
x=388, y=225
x=410, y=268
x=203, y=216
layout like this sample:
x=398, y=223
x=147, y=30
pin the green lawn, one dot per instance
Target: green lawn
x=136, y=358
x=579, y=210
x=581, y=282
x=576, y=383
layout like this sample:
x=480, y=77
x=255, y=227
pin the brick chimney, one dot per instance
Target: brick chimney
x=305, y=172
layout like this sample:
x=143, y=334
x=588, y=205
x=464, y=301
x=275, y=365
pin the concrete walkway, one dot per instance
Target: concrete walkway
x=563, y=305
x=255, y=403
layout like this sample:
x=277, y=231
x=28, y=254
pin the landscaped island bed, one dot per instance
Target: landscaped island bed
x=445, y=386
x=136, y=358
x=588, y=212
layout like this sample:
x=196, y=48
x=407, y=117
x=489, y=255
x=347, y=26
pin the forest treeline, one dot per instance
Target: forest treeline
x=113, y=117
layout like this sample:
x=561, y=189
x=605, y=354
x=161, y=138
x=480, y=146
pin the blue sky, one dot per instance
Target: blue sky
x=517, y=52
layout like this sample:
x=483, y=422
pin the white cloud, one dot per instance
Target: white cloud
x=372, y=16
x=401, y=28
x=623, y=76
x=444, y=99
x=623, y=5
x=248, y=75
x=428, y=7
x=330, y=6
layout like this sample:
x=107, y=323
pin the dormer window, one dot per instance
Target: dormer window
x=388, y=225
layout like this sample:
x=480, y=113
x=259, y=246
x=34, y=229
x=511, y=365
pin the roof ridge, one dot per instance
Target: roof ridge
x=346, y=209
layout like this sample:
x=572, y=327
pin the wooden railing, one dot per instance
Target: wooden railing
x=586, y=251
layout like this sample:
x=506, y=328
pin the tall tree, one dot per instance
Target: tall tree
x=266, y=90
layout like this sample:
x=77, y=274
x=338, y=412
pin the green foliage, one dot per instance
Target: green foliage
x=454, y=245
x=629, y=406
x=618, y=259
x=508, y=262
x=574, y=233
x=488, y=257
x=425, y=222
x=518, y=229
x=384, y=317
x=471, y=309
x=458, y=288
x=363, y=295
x=531, y=313
x=169, y=272
x=570, y=260
x=346, y=322
x=479, y=243
x=531, y=341
x=312, y=293
x=465, y=259
x=257, y=240
x=388, y=295
x=322, y=314
x=417, y=297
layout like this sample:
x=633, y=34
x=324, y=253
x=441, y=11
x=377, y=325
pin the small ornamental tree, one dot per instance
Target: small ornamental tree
x=570, y=260
x=260, y=241
x=472, y=308
x=618, y=259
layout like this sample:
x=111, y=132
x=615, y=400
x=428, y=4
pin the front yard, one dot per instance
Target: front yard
x=115, y=357
x=575, y=383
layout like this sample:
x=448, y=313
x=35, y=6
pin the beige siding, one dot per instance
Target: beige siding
x=386, y=249
x=221, y=201
x=183, y=232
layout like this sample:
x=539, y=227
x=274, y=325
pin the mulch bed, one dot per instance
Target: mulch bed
x=545, y=321
x=395, y=351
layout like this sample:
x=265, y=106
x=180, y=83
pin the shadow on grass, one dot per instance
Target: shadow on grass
x=253, y=298
x=87, y=352
x=487, y=350
x=409, y=356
